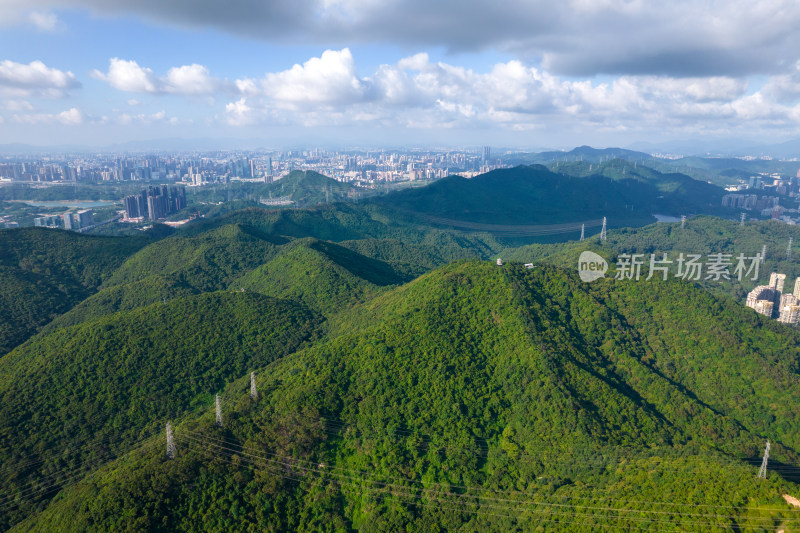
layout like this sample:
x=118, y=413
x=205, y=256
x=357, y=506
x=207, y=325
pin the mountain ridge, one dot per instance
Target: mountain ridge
x=493, y=378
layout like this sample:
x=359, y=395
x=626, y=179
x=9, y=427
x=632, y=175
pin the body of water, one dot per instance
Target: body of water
x=80, y=204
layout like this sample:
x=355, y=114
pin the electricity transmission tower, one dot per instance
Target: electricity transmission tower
x=603, y=231
x=253, y=392
x=218, y=406
x=762, y=472
x=170, y=442
x=763, y=253
x=789, y=250
x=741, y=222
x=583, y=227
x=683, y=221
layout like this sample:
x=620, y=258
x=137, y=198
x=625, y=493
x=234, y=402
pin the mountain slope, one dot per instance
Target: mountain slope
x=676, y=193
x=208, y=261
x=485, y=398
x=588, y=154
x=306, y=188
x=377, y=231
x=323, y=276
x=45, y=272
x=93, y=389
x=525, y=195
x=176, y=267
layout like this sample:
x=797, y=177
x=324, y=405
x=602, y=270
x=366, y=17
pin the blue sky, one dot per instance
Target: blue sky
x=532, y=74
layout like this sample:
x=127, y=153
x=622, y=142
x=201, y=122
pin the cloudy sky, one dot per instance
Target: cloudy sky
x=523, y=73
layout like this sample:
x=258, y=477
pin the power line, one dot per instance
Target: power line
x=482, y=447
x=292, y=461
x=506, y=229
x=321, y=472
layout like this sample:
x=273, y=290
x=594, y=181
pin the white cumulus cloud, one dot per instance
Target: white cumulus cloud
x=129, y=76
x=190, y=79
x=239, y=113
x=330, y=79
x=35, y=79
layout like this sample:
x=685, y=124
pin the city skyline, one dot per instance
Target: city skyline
x=535, y=75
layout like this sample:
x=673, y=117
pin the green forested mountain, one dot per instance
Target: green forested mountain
x=302, y=188
x=526, y=195
x=588, y=154
x=324, y=276
x=82, y=393
x=721, y=171
x=478, y=398
x=403, y=383
x=320, y=274
x=412, y=231
x=376, y=231
x=174, y=267
x=307, y=188
x=45, y=272
x=679, y=193
x=207, y=261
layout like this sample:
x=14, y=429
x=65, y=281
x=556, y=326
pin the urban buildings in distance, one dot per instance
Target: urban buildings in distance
x=770, y=301
x=71, y=221
x=205, y=167
x=155, y=202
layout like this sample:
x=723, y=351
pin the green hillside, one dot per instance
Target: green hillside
x=84, y=393
x=307, y=188
x=152, y=289
x=323, y=276
x=376, y=231
x=302, y=188
x=485, y=398
x=721, y=171
x=679, y=194
x=44, y=272
x=207, y=262
x=587, y=154
x=525, y=195
x=175, y=267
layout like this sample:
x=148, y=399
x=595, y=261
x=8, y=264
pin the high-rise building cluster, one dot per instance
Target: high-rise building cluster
x=72, y=221
x=770, y=301
x=155, y=202
x=749, y=201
